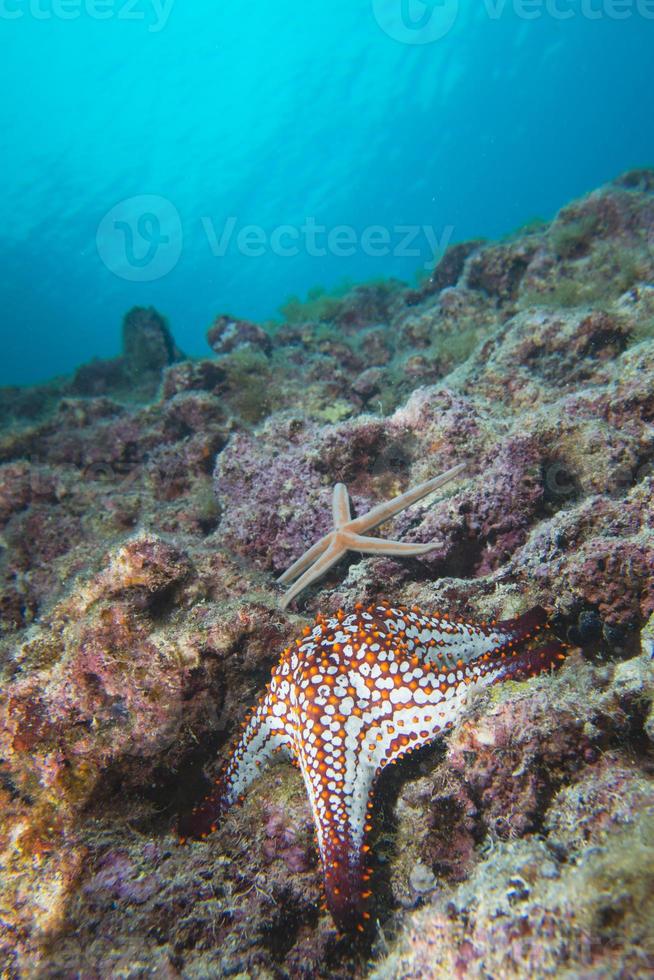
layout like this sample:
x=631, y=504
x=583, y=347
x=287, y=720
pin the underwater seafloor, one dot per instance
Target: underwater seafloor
x=147, y=505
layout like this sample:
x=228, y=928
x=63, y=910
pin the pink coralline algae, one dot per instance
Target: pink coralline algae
x=149, y=503
x=228, y=334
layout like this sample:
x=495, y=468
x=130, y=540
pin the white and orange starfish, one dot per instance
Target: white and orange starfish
x=357, y=691
x=348, y=534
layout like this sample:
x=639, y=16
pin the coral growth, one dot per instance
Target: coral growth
x=147, y=505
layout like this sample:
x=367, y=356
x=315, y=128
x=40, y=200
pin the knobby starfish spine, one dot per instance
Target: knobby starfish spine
x=348, y=534
x=354, y=694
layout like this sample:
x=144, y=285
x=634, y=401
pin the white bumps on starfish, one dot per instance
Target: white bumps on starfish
x=348, y=534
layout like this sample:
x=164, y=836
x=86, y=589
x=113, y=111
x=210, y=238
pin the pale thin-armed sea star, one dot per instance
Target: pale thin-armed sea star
x=348, y=534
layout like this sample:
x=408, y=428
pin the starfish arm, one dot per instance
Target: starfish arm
x=306, y=559
x=442, y=640
x=341, y=506
x=382, y=512
x=384, y=546
x=263, y=734
x=333, y=554
x=529, y=662
x=438, y=693
x=339, y=795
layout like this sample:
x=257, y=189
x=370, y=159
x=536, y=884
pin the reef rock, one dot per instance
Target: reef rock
x=147, y=506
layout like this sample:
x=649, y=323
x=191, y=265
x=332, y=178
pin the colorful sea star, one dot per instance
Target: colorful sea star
x=348, y=534
x=354, y=694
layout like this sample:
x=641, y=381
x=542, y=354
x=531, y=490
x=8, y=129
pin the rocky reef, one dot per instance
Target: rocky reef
x=147, y=505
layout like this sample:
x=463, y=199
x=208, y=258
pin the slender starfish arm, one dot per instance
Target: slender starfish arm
x=341, y=506
x=348, y=534
x=389, y=508
x=333, y=554
x=376, y=546
x=306, y=559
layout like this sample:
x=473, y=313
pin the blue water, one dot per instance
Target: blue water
x=135, y=134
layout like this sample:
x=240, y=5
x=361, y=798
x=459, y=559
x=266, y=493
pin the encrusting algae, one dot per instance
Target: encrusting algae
x=143, y=530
